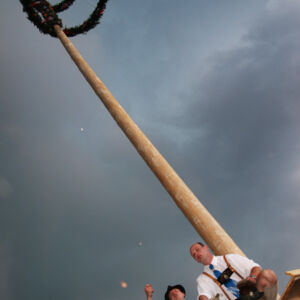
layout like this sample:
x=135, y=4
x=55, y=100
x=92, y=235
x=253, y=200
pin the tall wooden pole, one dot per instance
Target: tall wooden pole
x=208, y=228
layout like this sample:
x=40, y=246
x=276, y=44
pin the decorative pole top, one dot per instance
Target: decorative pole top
x=44, y=16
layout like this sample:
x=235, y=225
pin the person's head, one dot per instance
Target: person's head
x=175, y=292
x=201, y=253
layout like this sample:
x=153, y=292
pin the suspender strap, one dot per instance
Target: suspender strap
x=218, y=283
x=231, y=268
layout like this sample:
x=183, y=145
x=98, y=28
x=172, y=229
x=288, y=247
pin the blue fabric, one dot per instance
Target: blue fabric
x=229, y=283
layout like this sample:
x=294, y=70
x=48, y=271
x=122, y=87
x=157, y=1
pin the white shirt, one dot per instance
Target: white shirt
x=207, y=287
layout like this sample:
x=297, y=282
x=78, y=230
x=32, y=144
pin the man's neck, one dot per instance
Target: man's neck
x=209, y=260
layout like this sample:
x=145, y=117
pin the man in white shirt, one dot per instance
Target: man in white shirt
x=222, y=273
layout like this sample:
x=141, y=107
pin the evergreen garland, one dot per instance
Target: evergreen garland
x=44, y=16
x=90, y=23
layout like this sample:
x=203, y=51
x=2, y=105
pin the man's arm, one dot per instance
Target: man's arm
x=149, y=291
x=202, y=297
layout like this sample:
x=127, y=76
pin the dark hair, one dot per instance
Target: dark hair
x=170, y=288
x=201, y=244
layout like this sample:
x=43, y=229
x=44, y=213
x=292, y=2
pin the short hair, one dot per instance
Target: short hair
x=170, y=288
x=201, y=244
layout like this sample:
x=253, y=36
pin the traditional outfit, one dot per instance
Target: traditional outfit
x=222, y=275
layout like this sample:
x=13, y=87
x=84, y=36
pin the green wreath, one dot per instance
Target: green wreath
x=44, y=16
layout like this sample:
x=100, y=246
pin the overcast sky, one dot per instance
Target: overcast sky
x=213, y=84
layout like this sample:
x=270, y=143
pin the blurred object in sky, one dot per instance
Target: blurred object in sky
x=123, y=284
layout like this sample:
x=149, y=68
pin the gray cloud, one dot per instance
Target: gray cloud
x=6, y=263
x=242, y=122
x=5, y=188
x=212, y=103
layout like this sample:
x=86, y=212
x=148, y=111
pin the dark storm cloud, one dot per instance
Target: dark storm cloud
x=82, y=200
x=5, y=271
x=54, y=166
x=245, y=111
x=5, y=188
x=243, y=120
x=163, y=49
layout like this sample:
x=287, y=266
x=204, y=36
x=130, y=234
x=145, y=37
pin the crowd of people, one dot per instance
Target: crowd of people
x=226, y=277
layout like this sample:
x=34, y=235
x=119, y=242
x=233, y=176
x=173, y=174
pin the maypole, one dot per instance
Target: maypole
x=44, y=16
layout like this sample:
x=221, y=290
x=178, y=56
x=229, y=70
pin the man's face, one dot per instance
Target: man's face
x=176, y=294
x=201, y=254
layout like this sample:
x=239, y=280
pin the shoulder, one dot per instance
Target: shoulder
x=239, y=259
x=236, y=257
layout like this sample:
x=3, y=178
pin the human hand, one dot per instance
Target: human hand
x=252, y=279
x=149, y=290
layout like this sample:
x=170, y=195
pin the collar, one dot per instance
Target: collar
x=214, y=261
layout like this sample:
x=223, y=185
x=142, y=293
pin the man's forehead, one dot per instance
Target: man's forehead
x=176, y=291
x=196, y=246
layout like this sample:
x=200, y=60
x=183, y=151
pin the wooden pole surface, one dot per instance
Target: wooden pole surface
x=208, y=228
